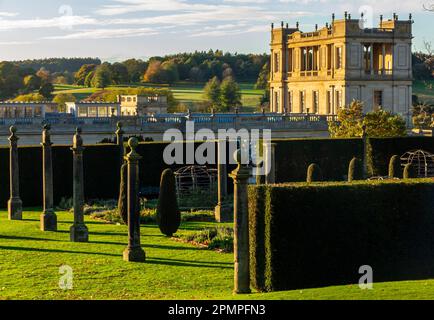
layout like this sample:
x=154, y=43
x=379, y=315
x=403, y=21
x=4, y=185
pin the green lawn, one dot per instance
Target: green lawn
x=30, y=261
x=187, y=93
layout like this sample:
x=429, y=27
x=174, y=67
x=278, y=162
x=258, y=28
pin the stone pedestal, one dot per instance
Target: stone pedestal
x=78, y=231
x=241, y=227
x=224, y=213
x=15, y=205
x=134, y=252
x=48, y=217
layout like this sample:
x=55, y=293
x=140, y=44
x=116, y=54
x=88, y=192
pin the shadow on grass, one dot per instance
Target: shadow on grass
x=188, y=263
x=58, y=251
x=27, y=238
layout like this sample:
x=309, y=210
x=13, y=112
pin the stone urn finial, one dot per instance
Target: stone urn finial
x=133, y=143
x=77, y=141
x=13, y=137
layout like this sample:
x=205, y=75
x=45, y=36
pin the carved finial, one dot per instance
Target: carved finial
x=349, y=16
x=119, y=126
x=410, y=17
x=346, y=15
x=362, y=15
x=316, y=27
x=13, y=138
x=133, y=143
x=46, y=139
x=281, y=24
x=77, y=142
x=333, y=17
x=327, y=25
x=287, y=25
x=297, y=25
x=272, y=26
x=394, y=16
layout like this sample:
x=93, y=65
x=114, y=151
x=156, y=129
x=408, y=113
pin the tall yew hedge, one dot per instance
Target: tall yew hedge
x=319, y=234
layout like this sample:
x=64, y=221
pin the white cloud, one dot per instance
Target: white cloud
x=105, y=34
x=8, y=14
x=57, y=22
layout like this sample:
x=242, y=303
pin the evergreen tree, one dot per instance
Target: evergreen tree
x=230, y=94
x=212, y=92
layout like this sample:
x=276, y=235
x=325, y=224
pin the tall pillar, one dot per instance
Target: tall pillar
x=365, y=152
x=371, y=62
x=15, y=205
x=270, y=162
x=134, y=252
x=48, y=217
x=223, y=212
x=120, y=142
x=78, y=231
x=241, y=227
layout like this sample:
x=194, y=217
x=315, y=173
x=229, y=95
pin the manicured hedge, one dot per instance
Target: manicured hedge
x=101, y=173
x=320, y=234
x=380, y=151
x=293, y=157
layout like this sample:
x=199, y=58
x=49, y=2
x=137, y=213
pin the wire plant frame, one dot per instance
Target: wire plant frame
x=196, y=187
x=422, y=162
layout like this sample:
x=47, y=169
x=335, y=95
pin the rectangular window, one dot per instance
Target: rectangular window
x=82, y=111
x=329, y=102
x=338, y=57
x=329, y=57
x=92, y=112
x=315, y=102
x=338, y=99
x=19, y=112
x=289, y=110
x=378, y=99
x=302, y=102
x=38, y=112
x=276, y=62
x=102, y=112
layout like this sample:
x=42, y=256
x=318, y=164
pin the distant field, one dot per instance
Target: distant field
x=187, y=93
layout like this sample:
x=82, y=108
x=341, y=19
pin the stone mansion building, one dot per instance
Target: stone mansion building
x=319, y=72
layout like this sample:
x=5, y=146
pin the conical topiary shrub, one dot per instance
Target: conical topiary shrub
x=408, y=172
x=354, y=170
x=123, y=196
x=168, y=214
x=314, y=173
x=394, y=167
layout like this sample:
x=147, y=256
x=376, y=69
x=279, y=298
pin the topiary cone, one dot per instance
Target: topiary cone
x=394, y=167
x=352, y=169
x=407, y=174
x=168, y=214
x=314, y=173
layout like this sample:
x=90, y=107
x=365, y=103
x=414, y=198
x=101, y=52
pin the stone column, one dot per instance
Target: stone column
x=15, y=205
x=241, y=227
x=78, y=231
x=48, y=217
x=270, y=162
x=223, y=212
x=120, y=142
x=134, y=252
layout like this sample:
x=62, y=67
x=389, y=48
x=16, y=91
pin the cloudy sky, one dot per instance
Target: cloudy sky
x=119, y=29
